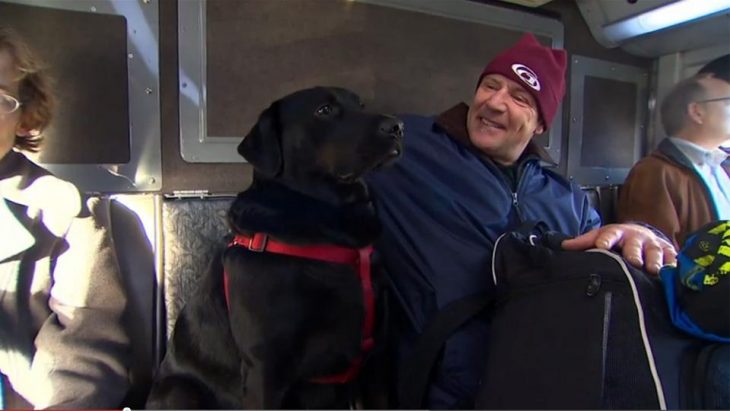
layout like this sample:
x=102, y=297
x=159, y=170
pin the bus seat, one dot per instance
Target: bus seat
x=193, y=231
x=137, y=265
x=605, y=200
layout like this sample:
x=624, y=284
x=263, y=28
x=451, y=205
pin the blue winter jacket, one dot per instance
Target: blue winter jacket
x=443, y=205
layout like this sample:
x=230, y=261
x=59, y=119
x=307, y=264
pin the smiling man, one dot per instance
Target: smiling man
x=466, y=177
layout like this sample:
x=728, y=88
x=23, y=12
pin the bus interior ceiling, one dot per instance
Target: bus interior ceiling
x=155, y=95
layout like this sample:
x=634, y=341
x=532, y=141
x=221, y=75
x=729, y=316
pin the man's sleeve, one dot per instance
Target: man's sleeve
x=591, y=220
x=589, y=217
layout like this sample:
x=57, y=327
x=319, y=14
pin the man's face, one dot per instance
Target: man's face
x=9, y=83
x=717, y=109
x=502, y=118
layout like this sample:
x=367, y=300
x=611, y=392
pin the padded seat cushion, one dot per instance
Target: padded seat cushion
x=193, y=231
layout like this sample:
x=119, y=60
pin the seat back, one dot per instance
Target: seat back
x=193, y=231
x=135, y=255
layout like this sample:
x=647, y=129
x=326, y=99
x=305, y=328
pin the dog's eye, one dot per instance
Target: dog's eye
x=324, y=110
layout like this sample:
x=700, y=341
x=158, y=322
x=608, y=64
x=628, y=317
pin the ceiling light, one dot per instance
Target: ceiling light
x=671, y=14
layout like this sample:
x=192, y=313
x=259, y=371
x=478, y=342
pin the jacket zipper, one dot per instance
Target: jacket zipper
x=515, y=198
x=516, y=205
x=508, y=186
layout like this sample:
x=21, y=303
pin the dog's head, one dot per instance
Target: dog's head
x=321, y=133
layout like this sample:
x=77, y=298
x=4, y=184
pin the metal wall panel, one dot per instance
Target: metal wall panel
x=401, y=56
x=608, y=106
x=104, y=57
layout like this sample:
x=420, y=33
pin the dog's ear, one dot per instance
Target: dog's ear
x=262, y=146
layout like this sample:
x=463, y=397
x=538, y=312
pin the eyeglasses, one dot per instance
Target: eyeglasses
x=709, y=100
x=8, y=104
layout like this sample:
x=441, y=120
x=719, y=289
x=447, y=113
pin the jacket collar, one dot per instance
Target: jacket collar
x=9, y=164
x=453, y=122
x=29, y=192
x=670, y=151
x=17, y=237
x=11, y=226
x=16, y=175
x=26, y=183
x=699, y=155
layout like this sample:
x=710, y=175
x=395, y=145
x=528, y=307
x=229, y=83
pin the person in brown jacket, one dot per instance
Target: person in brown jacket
x=685, y=183
x=62, y=343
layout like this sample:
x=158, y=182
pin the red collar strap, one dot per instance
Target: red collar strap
x=358, y=257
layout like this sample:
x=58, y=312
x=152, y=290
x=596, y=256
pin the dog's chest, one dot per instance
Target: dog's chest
x=285, y=269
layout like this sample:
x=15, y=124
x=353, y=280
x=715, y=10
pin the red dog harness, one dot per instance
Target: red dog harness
x=359, y=257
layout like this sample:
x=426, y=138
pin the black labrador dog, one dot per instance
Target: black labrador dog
x=270, y=328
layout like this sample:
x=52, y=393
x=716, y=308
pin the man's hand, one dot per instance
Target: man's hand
x=639, y=245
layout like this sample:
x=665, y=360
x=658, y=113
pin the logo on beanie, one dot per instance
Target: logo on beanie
x=527, y=75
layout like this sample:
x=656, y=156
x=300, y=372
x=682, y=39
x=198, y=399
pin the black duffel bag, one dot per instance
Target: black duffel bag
x=575, y=330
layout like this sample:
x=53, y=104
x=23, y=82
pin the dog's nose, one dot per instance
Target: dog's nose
x=391, y=127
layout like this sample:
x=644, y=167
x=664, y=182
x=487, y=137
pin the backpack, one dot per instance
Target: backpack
x=574, y=330
x=698, y=287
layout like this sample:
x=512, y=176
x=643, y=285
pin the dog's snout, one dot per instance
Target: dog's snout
x=391, y=127
x=390, y=130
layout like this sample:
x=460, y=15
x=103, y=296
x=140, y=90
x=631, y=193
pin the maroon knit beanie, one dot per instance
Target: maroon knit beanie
x=540, y=69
